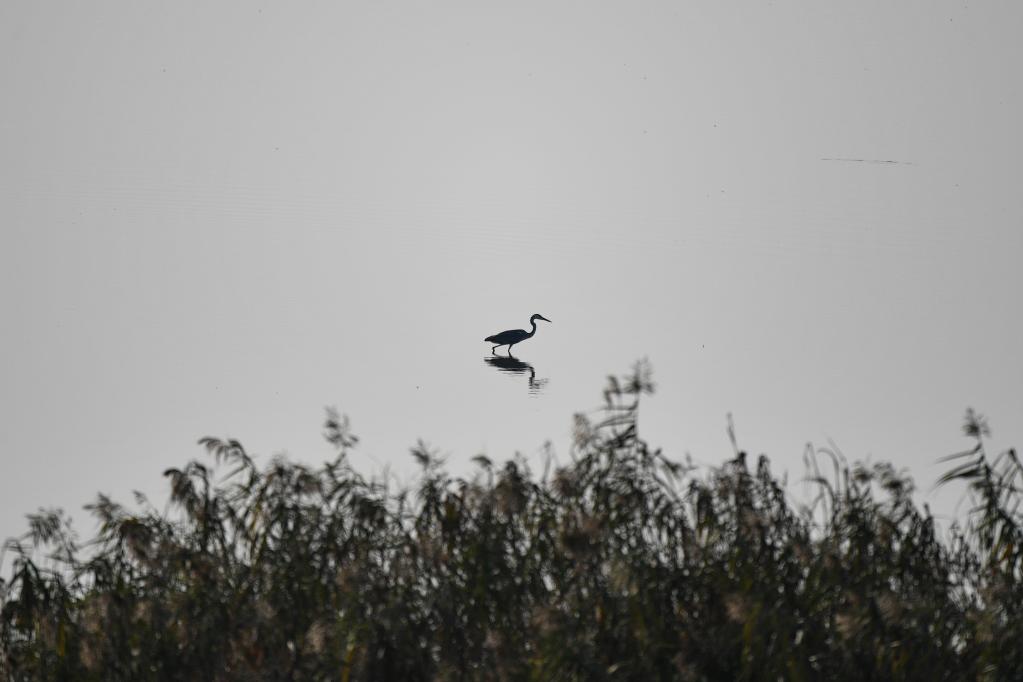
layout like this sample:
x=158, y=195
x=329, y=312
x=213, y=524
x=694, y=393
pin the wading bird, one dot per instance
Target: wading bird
x=513, y=336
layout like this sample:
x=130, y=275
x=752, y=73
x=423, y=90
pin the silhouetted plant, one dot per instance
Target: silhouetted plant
x=620, y=565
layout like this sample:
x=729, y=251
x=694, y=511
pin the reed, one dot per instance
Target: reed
x=623, y=564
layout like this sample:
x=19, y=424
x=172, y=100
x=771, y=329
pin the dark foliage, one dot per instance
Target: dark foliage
x=623, y=565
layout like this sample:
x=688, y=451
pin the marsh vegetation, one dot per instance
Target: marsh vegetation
x=621, y=564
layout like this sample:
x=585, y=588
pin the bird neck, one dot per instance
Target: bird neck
x=533, y=330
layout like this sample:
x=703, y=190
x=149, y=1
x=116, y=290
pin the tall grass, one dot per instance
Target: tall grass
x=622, y=565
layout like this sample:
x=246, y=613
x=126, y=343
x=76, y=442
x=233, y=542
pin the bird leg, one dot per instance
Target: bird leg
x=493, y=351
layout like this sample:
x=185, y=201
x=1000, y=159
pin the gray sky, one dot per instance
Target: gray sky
x=218, y=218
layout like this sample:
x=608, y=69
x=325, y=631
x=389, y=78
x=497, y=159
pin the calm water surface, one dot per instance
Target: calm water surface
x=249, y=330
x=205, y=236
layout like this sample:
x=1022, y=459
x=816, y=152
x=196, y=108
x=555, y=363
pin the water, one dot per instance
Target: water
x=515, y=367
x=817, y=319
x=207, y=237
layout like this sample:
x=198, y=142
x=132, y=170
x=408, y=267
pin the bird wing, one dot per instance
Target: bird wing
x=507, y=336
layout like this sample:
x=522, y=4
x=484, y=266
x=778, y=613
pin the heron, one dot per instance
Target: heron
x=512, y=336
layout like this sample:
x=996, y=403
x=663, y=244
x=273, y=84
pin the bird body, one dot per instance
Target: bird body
x=512, y=336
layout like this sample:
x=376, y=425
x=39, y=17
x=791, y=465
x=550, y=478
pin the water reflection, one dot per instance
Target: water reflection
x=511, y=365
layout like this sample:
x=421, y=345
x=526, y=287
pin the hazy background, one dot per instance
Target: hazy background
x=218, y=218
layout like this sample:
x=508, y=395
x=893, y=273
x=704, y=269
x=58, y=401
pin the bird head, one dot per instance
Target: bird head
x=539, y=317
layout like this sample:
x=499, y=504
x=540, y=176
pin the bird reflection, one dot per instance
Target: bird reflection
x=506, y=363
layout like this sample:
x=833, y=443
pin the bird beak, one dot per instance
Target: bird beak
x=545, y=319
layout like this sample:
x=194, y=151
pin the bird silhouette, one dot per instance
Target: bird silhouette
x=512, y=336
